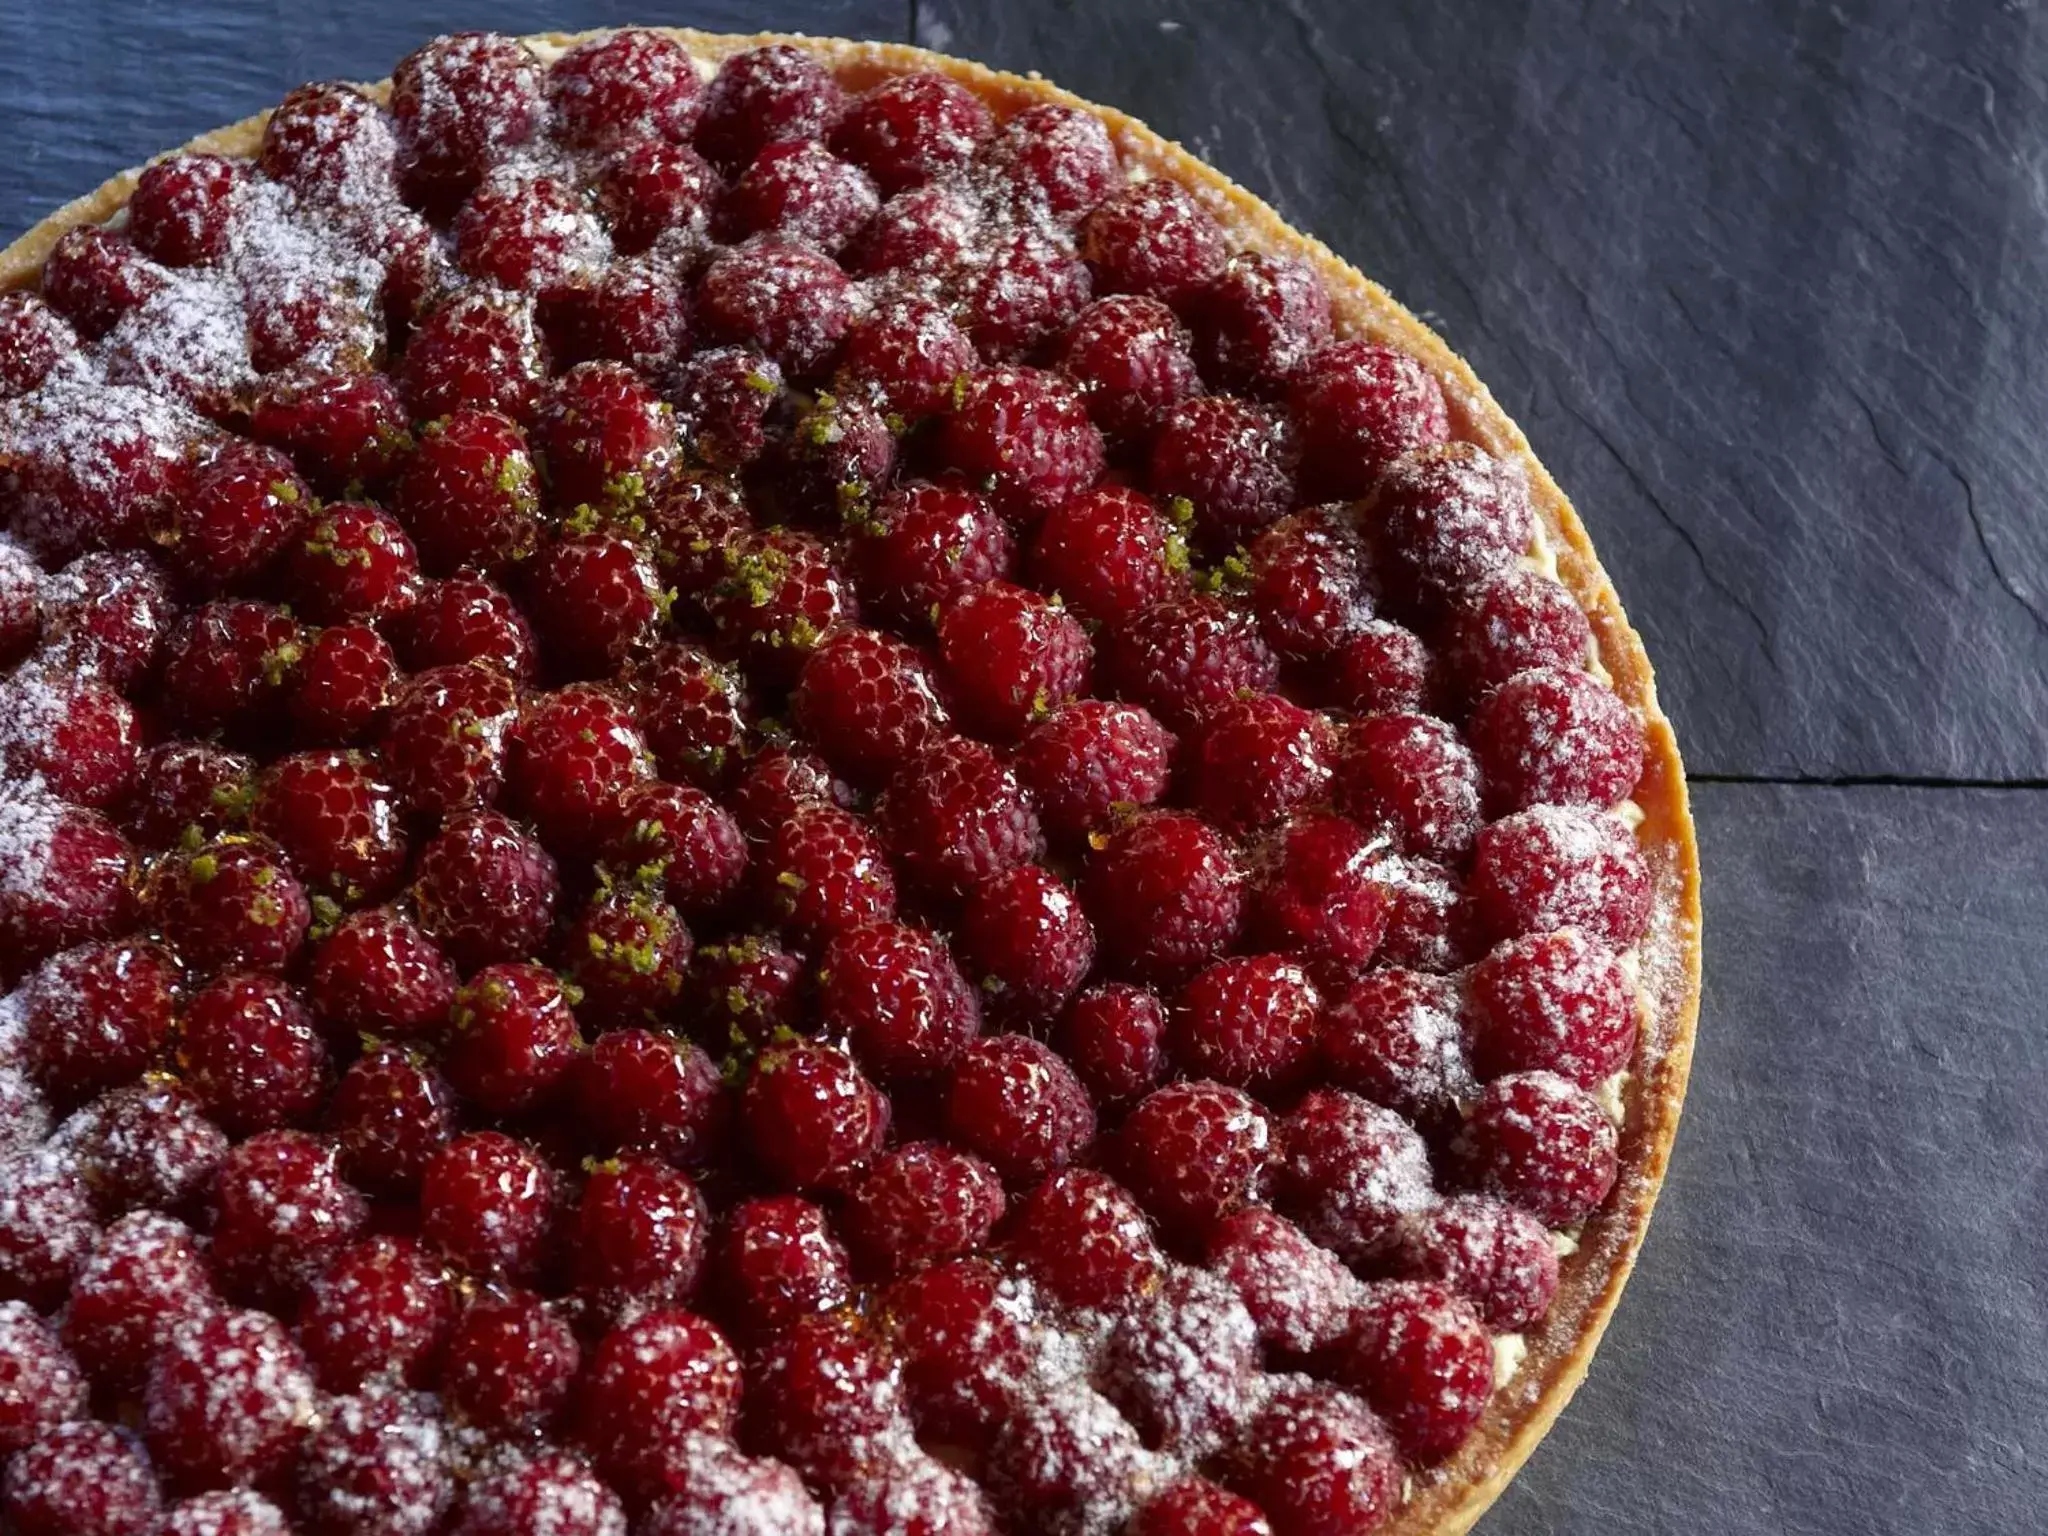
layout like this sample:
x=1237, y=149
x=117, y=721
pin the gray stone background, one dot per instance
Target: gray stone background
x=1767, y=285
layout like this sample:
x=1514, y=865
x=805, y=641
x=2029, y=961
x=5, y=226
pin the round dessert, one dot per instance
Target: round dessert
x=766, y=785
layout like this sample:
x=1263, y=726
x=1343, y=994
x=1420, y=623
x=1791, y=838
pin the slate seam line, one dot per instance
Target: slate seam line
x=1864, y=781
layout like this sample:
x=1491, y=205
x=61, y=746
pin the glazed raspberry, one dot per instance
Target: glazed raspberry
x=1394, y=1037
x=228, y=665
x=1086, y=1240
x=1028, y=289
x=1299, y=1296
x=1546, y=737
x=113, y=452
x=350, y=561
x=67, y=880
x=512, y=1038
x=573, y=753
x=895, y=994
x=902, y=1487
x=330, y=144
x=926, y=234
x=1452, y=516
x=228, y=1401
x=1131, y=360
x=1431, y=926
x=1308, y=584
x=469, y=495
x=1498, y=1258
x=1052, y=157
x=147, y=1275
x=1419, y=1354
x=376, y=1309
x=151, y=1145
x=1185, y=655
x=378, y=974
x=1026, y=434
x=653, y=189
x=1348, y=1171
x=1380, y=668
x=822, y=871
x=1090, y=759
x=47, y=1227
x=190, y=789
x=1153, y=238
x=1551, y=1002
x=636, y=1090
x=379, y=1463
x=343, y=431
x=94, y=276
x=1250, y=1021
x=443, y=747
x=553, y=1492
x=746, y=990
x=607, y=439
x=955, y=814
x=780, y=297
x=466, y=618
x=822, y=1396
x=1318, y=891
x=633, y=312
x=1259, y=321
x=960, y=1330
x=639, y=1236
x=183, y=208
x=910, y=129
x=722, y=397
x=1516, y=619
x=779, y=1260
x=1258, y=757
x=1194, y=1506
x=779, y=594
x=595, y=601
x=811, y=1118
x=282, y=1210
x=337, y=822
x=79, y=737
x=1230, y=460
x=867, y=702
x=1027, y=939
x=1012, y=657
x=34, y=338
x=232, y=904
x=1068, y=1463
x=344, y=684
x=487, y=1205
x=693, y=712
x=510, y=1363
x=1182, y=1363
x=40, y=1386
x=682, y=841
x=480, y=351
x=1557, y=867
x=1318, y=1462
x=1411, y=779
x=832, y=466
x=777, y=783
x=1360, y=406
x=799, y=191
x=627, y=953
x=94, y=1017
x=737, y=1495
x=463, y=100
x=391, y=1112
x=1166, y=895
x=904, y=356
x=649, y=1385
x=923, y=545
x=919, y=1204
x=1196, y=1151
x=623, y=85
x=81, y=1479
x=1113, y=1035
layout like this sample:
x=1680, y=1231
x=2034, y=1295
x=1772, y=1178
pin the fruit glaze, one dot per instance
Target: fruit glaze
x=766, y=786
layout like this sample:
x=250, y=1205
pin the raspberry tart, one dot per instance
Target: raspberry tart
x=767, y=785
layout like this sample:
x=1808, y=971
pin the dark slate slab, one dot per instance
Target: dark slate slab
x=1767, y=284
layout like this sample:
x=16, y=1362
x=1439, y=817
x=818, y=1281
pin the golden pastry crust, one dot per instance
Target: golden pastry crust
x=1451, y=1498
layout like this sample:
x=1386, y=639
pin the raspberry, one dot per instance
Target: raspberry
x=924, y=545
x=779, y=297
x=746, y=991
x=1419, y=1355
x=343, y=431
x=240, y=510
x=832, y=465
x=1259, y=321
x=469, y=495
x=1431, y=926
x=737, y=1495
x=955, y=814
x=1086, y=1240
x=1410, y=778
x=1012, y=657
x=230, y=1512
x=1451, y=516
x=810, y=1117
x=336, y=821
x=1308, y=584
x=1250, y=1021
x=25, y=1119
x=1516, y=619
x=444, y=743
x=115, y=453
x=1299, y=1296
x=34, y=339
x=778, y=783
x=919, y=1204
x=510, y=1364
x=639, y=1091
x=652, y=190
x=649, y=1385
x=1360, y=406
x=281, y=1210
x=81, y=1479
x=607, y=439
x=228, y=665
x=595, y=601
x=926, y=234
x=682, y=841
x=1053, y=157
x=379, y=1463
x=633, y=312
x=1318, y=1462
x=627, y=953
x=693, y=712
x=1130, y=359
x=344, y=684
x=94, y=276
x=377, y=1308
x=46, y=1227
x=487, y=1205
x=146, y=1276
x=910, y=129
x=774, y=95
x=1108, y=553
x=1069, y=1463
x=1114, y=1037
x=70, y=881
x=1348, y=1171
x=249, y=1050
x=463, y=100
x=722, y=397
x=1186, y=655
x=1551, y=1002
x=960, y=1329
x=479, y=352
x=905, y=355
x=1230, y=461
x=79, y=737
x=1092, y=758
x=512, y=1038
x=620, y=86
x=1166, y=895
x=779, y=1260
x=821, y=872
x=1394, y=1037
x=377, y=973
x=552, y=1493
x=1318, y=891
x=1194, y=1506
x=1024, y=433
x=1026, y=290
x=1380, y=668
x=352, y=561
x=21, y=599
x=1026, y=937
x=799, y=191
x=1196, y=1151
x=465, y=618
x=640, y=1232
x=867, y=702
x=905, y=1488
x=574, y=753
x=329, y=143
x=1183, y=1363
x=40, y=1387
x=1497, y=1257
x=228, y=1401
x=391, y=1112
x=1257, y=758
x=1153, y=238
x=95, y=1017
x=151, y=1145
x=190, y=789
x=1546, y=737
x=894, y=993
x=780, y=593
x=823, y=1394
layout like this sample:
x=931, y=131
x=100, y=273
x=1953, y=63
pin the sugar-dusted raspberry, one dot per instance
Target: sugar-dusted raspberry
x=512, y=1038
x=40, y=1385
x=1548, y=737
x=650, y=1384
x=1495, y=1255
x=636, y=1090
x=924, y=234
x=1231, y=461
x=34, y=338
x=1410, y=778
x=21, y=598
x=715, y=1488
x=47, y=1227
x=1053, y=157
x=822, y=871
x=1394, y=1037
x=595, y=601
x=639, y=1236
x=1514, y=620
x=183, y=208
x=893, y=992
x=1551, y=1002
x=867, y=702
x=1012, y=657
x=282, y=1209
x=1068, y=1463
x=693, y=712
x=329, y=143
x=1086, y=1240
x=228, y=665
x=961, y=1331
x=469, y=494
x=1361, y=405
x=904, y=1488
x=390, y=1113
x=343, y=685
x=228, y=1401
x=89, y=462
x=1318, y=891
x=1380, y=668
x=80, y=737
x=146, y=1275
x=1318, y=1462
x=1349, y=1171
x=93, y=276
x=488, y=1205
x=1027, y=435
x=379, y=1463
x=94, y=1017
x=1557, y=866
x=463, y=100
x=81, y=1479
x=552, y=1494
x=337, y=822
x=910, y=129
x=1308, y=584
x=623, y=85
x=1430, y=926
x=1452, y=515
x=232, y=904
x=1165, y=893
x=955, y=814
x=634, y=312
x=341, y=430
x=1258, y=322
x=1196, y=1151
x=1130, y=359
x=800, y=191
x=627, y=953
x=66, y=879
x=778, y=596
x=1184, y=656
x=811, y=1118
x=606, y=438
x=1114, y=1036
x=377, y=1309
x=466, y=618
x=681, y=840
x=573, y=753
x=743, y=991
x=781, y=297
x=151, y=1144
x=510, y=1362
x=774, y=95
x=904, y=356
x=832, y=466
x=25, y=1116
x=1249, y=1020
x=1418, y=1353
x=722, y=397
x=654, y=189
x=1027, y=939
x=1182, y=1363
x=190, y=789
x=778, y=1260
x=1258, y=757
x=1027, y=289
x=823, y=1394
x=1299, y=1296
x=1194, y=1506
x=1153, y=238
x=920, y=1203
